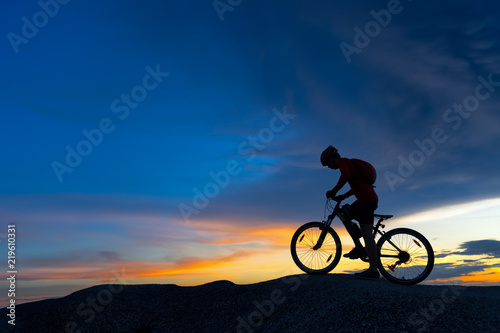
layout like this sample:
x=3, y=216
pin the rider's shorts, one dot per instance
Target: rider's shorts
x=363, y=211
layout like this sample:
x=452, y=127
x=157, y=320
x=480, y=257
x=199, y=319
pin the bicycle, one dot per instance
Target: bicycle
x=404, y=255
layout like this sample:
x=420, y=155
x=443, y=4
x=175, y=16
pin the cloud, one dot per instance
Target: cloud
x=394, y=92
x=464, y=267
x=443, y=254
x=174, y=251
x=75, y=268
x=488, y=247
x=195, y=265
x=110, y=255
x=455, y=271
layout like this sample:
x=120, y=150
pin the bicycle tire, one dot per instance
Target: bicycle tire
x=416, y=256
x=319, y=261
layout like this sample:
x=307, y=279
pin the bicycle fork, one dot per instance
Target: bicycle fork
x=322, y=236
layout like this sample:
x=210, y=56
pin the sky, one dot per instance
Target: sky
x=167, y=142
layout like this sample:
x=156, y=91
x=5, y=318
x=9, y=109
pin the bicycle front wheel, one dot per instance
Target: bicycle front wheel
x=404, y=256
x=309, y=260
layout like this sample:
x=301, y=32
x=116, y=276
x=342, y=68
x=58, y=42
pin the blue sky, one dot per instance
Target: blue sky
x=228, y=82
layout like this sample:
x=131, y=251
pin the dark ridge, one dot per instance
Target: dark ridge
x=296, y=303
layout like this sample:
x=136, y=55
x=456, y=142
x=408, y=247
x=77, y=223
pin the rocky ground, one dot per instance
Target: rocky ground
x=297, y=303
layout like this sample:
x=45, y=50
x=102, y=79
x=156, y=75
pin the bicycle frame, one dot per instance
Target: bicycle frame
x=382, y=234
x=335, y=213
x=398, y=259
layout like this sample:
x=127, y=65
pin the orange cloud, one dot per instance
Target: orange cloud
x=246, y=253
x=489, y=276
x=192, y=265
x=230, y=233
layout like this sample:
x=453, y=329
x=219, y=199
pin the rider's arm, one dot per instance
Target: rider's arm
x=340, y=184
x=344, y=174
x=347, y=194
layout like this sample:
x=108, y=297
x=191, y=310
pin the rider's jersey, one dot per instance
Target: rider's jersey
x=350, y=174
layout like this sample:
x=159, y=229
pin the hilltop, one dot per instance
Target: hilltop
x=296, y=303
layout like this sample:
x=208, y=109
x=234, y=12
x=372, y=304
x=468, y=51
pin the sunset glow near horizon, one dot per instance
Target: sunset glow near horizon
x=179, y=143
x=256, y=251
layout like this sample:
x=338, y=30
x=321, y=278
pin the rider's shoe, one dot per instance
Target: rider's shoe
x=368, y=274
x=356, y=253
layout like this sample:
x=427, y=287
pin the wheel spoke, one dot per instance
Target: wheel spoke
x=310, y=260
x=415, y=260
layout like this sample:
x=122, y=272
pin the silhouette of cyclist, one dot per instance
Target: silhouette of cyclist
x=354, y=172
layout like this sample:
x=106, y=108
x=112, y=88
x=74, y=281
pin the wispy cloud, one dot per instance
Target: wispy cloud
x=467, y=273
x=110, y=255
x=120, y=208
x=473, y=261
x=489, y=247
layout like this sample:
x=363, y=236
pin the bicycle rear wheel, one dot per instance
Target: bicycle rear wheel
x=322, y=260
x=405, y=256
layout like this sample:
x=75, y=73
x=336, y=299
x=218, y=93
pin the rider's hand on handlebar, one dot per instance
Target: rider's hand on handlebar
x=339, y=198
x=330, y=194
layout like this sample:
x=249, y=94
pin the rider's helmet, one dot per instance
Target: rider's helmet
x=327, y=154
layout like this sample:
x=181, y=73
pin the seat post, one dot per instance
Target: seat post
x=377, y=225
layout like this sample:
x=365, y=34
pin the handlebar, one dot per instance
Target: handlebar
x=329, y=206
x=337, y=199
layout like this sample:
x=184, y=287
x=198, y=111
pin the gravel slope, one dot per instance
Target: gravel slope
x=296, y=303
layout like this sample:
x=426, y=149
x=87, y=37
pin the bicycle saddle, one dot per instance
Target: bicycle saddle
x=383, y=216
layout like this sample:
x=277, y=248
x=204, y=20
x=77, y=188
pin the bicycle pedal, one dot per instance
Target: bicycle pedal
x=350, y=257
x=365, y=259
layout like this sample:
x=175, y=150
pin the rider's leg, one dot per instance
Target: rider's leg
x=353, y=229
x=350, y=227
x=366, y=210
x=371, y=248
